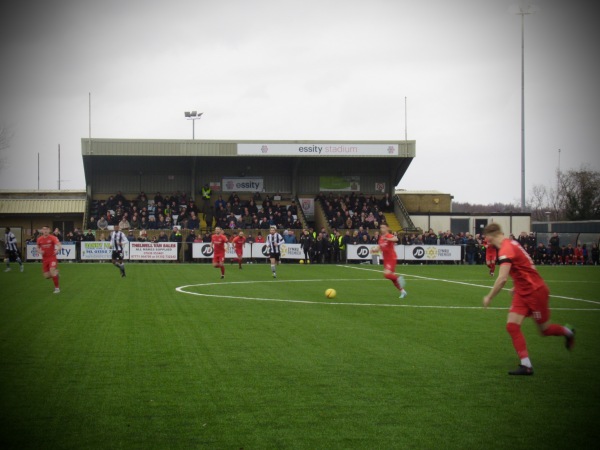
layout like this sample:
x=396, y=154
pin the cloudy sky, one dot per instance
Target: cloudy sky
x=307, y=69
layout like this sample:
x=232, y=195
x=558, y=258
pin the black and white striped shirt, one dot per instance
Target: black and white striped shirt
x=118, y=240
x=273, y=242
x=10, y=242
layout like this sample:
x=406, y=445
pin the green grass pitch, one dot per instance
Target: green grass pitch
x=173, y=357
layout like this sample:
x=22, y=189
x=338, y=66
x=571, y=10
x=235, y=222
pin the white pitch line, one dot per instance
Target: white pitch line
x=312, y=302
x=182, y=289
x=594, y=302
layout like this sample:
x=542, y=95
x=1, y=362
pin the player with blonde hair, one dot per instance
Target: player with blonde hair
x=530, y=296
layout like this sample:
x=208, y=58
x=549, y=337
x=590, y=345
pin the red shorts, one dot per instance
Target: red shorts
x=218, y=259
x=389, y=265
x=533, y=305
x=239, y=253
x=491, y=254
x=48, y=264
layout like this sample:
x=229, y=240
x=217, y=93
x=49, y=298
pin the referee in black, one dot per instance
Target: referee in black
x=274, y=241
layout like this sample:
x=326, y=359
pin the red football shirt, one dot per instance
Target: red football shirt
x=491, y=252
x=387, y=247
x=218, y=241
x=525, y=277
x=239, y=242
x=47, y=245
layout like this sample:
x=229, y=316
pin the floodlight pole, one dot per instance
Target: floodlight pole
x=193, y=116
x=523, y=11
x=522, y=110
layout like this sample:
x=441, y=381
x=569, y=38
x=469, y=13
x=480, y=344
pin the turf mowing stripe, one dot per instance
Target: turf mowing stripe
x=594, y=302
x=182, y=289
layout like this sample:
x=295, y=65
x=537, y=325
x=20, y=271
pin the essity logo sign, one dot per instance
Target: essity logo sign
x=206, y=250
x=318, y=149
x=362, y=252
x=246, y=184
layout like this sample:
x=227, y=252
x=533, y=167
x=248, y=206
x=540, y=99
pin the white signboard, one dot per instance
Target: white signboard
x=243, y=185
x=66, y=252
x=316, y=149
x=308, y=206
x=203, y=250
x=432, y=252
x=364, y=252
x=288, y=251
x=153, y=250
x=100, y=250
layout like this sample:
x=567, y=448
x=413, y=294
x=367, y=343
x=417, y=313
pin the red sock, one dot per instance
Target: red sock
x=492, y=267
x=518, y=339
x=222, y=270
x=394, y=279
x=555, y=330
x=240, y=262
x=55, y=280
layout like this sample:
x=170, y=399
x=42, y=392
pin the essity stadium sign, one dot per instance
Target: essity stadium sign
x=316, y=149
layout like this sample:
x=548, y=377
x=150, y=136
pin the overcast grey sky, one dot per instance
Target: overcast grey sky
x=307, y=69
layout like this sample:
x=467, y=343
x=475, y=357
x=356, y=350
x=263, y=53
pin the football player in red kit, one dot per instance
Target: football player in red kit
x=491, y=256
x=218, y=243
x=530, y=296
x=48, y=246
x=238, y=242
x=386, y=245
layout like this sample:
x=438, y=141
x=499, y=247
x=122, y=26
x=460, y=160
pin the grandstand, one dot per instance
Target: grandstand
x=286, y=170
x=326, y=181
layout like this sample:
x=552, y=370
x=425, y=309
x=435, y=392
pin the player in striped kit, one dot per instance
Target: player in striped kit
x=117, y=243
x=274, y=242
x=11, y=250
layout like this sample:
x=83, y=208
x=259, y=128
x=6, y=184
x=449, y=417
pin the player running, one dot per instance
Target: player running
x=491, y=256
x=117, y=243
x=386, y=245
x=49, y=246
x=11, y=250
x=219, y=243
x=238, y=242
x=530, y=296
x=274, y=242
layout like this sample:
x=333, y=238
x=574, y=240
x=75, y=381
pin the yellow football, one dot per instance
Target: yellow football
x=330, y=293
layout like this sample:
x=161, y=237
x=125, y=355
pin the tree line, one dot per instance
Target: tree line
x=574, y=196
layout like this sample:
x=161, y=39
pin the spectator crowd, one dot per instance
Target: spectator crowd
x=353, y=219
x=165, y=212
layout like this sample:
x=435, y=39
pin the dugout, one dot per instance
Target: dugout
x=289, y=169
